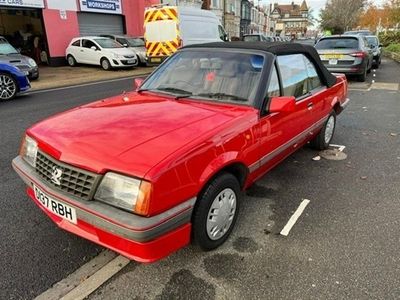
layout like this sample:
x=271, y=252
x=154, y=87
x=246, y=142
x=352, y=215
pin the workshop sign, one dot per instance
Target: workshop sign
x=102, y=6
x=23, y=3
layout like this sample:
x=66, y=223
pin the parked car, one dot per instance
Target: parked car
x=376, y=47
x=347, y=54
x=363, y=32
x=8, y=54
x=136, y=44
x=259, y=37
x=99, y=51
x=144, y=172
x=168, y=28
x=12, y=81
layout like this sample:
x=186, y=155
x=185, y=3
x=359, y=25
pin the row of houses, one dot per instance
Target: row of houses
x=241, y=17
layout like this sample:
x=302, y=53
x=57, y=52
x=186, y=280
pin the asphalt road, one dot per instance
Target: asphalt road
x=346, y=244
x=34, y=253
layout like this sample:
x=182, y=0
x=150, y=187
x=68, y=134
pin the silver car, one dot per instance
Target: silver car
x=136, y=44
x=348, y=54
x=10, y=55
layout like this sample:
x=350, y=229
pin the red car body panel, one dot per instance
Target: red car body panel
x=177, y=145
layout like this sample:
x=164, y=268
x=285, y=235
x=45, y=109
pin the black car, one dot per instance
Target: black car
x=348, y=54
x=376, y=47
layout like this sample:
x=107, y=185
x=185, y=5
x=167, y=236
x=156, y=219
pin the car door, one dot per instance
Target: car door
x=74, y=50
x=89, y=55
x=281, y=133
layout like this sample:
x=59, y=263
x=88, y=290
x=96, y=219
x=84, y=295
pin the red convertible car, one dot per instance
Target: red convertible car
x=147, y=172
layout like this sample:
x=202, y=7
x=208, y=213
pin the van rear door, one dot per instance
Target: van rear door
x=161, y=33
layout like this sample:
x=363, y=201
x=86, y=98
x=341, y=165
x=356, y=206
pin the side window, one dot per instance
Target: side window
x=273, y=88
x=294, y=75
x=313, y=79
x=88, y=44
x=222, y=34
x=76, y=43
x=122, y=41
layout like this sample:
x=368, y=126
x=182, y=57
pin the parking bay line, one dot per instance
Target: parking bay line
x=285, y=231
x=87, y=278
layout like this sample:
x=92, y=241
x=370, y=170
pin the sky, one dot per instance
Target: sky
x=315, y=4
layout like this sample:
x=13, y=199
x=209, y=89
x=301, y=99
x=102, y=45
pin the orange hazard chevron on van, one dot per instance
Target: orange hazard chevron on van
x=162, y=48
x=166, y=13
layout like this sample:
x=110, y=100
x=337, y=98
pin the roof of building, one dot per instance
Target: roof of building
x=277, y=49
x=292, y=9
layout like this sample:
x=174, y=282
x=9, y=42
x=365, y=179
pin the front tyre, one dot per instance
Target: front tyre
x=324, y=137
x=216, y=212
x=105, y=64
x=8, y=87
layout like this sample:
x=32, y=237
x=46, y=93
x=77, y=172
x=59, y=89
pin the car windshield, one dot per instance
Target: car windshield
x=251, y=38
x=372, y=40
x=220, y=76
x=6, y=48
x=135, y=42
x=337, y=43
x=108, y=43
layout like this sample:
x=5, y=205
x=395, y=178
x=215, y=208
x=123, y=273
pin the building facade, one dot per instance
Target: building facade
x=290, y=19
x=56, y=22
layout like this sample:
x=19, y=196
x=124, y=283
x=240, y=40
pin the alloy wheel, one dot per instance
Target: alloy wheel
x=329, y=128
x=8, y=88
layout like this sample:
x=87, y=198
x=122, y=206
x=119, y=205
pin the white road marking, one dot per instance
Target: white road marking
x=341, y=147
x=285, y=231
x=78, y=277
x=97, y=279
x=83, y=84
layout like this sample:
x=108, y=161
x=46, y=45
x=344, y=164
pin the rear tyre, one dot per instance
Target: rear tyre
x=8, y=87
x=71, y=61
x=363, y=76
x=324, y=137
x=216, y=212
x=105, y=64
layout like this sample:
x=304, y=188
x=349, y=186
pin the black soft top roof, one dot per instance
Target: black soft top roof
x=277, y=49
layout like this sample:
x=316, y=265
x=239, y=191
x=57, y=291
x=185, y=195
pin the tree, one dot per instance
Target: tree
x=310, y=17
x=341, y=15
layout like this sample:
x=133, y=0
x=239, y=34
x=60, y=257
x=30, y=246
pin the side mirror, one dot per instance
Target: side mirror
x=380, y=45
x=137, y=82
x=282, y=104
x=125, y=45
x=93, y=48
x=226, y=38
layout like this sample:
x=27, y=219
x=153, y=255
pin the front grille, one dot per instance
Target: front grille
x=72, y=180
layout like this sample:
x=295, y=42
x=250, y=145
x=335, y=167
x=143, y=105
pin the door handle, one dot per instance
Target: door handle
x=310, y=106
x=81, y=50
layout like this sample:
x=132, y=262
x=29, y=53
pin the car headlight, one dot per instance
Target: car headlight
x=124, y=192
x=118, y=56
x=32, y=63
x=29, y=150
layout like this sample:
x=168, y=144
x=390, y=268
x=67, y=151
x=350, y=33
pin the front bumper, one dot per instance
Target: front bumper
x=138, y=238
x=124, y=62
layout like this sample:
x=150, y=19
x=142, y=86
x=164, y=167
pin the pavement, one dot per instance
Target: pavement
x=53, y=77
x=345, y=245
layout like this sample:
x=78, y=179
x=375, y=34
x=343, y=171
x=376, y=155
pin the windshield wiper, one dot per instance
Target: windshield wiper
x=183, y=93
x=221, y=95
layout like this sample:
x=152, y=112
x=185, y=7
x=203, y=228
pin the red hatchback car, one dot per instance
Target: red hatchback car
x=146, y=172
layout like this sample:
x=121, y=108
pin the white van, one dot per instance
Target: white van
x=167, y=28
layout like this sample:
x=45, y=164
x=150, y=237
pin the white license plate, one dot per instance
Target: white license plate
x=60, y=209
x=131, y=61
x=333, y=61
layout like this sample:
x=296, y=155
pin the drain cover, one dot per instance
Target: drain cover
x=333, y=154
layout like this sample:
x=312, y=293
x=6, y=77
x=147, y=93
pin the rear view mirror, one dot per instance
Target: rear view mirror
x=282, y=104
x=137, y=82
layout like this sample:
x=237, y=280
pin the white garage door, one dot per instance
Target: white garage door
x=96, y=24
